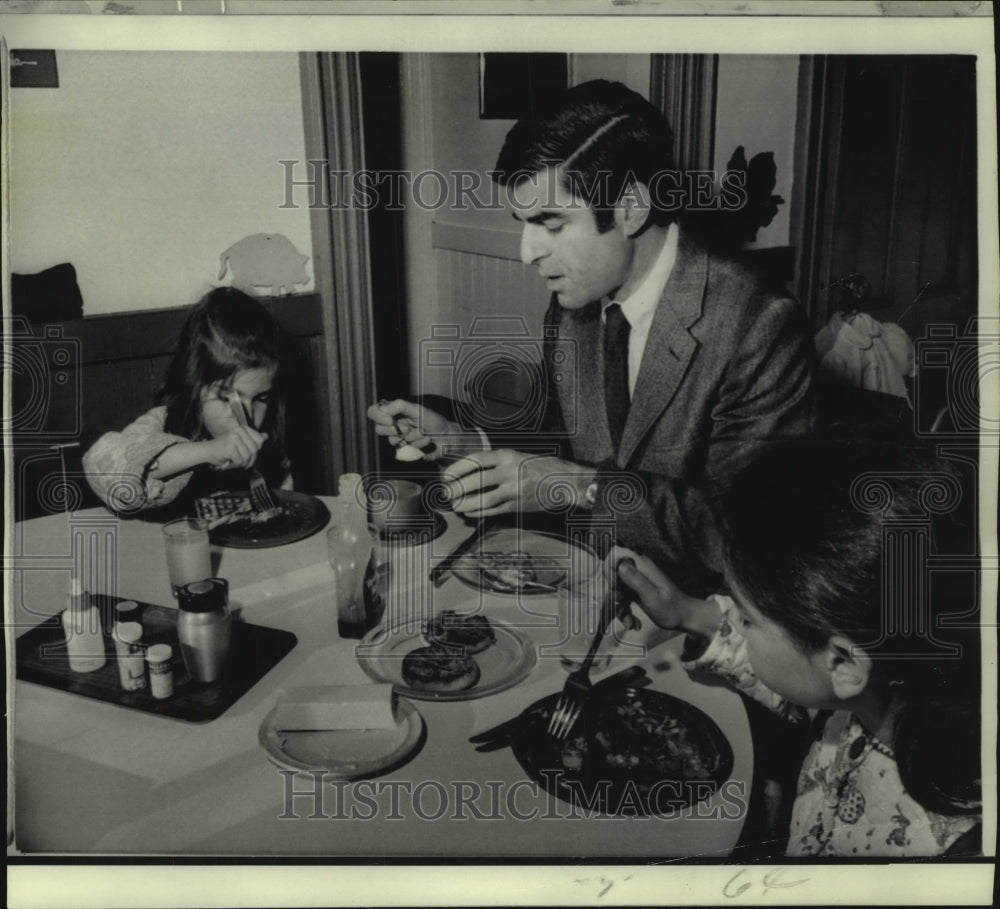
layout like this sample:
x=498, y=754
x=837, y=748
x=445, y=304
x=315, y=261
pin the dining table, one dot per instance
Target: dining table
x=92, y=777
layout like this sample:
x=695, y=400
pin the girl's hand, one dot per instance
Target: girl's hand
x=236, y=448
x=661, y=599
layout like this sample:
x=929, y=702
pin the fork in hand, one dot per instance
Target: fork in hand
x=578, y=685
x=260, y=495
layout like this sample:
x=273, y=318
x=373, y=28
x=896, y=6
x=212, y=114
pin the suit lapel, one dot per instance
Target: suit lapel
x=669, y=347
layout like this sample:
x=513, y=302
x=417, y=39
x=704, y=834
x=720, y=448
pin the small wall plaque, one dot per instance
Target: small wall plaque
x=33, y=69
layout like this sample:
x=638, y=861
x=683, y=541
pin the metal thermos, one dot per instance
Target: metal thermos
x=204, y=627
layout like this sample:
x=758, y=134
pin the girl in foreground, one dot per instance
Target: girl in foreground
x=894, y=768
x=228, y=353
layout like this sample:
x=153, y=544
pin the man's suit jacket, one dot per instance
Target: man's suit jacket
x=727, y=369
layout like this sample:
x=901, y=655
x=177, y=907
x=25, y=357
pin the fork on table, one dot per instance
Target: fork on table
x=578, y=685
x=260, y=495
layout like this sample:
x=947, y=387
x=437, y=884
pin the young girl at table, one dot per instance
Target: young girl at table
x=894, y=766
x=191, y=443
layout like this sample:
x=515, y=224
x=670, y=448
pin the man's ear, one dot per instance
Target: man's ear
x=633, y=207
x=849, y=666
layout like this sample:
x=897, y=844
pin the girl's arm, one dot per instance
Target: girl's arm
x=663, y=601
x=237, y=448
x=180, y=457
x=714, y=643
x=119, y=465
x=145, y=467
x=725, y=654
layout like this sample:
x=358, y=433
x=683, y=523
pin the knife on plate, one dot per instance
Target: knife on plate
x=499, y=736
x=440, y=571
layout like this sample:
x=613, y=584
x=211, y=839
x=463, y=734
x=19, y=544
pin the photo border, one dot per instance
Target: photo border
x=89, y=883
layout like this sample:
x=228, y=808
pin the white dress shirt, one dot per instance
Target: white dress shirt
x=640, y=307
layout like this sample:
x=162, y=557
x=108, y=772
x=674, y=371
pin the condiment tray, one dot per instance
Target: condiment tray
x=255, y=651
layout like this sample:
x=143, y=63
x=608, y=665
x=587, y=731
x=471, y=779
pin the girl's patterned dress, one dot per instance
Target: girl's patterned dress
x=850, y=800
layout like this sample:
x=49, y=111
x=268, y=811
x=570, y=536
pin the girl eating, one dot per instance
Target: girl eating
x=192, y=442
x=814, y=620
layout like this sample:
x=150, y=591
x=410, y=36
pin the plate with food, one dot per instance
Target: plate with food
x=511, y=560
x=343, y=754
x=633, y=751
x=296, y=516
x=453, y=657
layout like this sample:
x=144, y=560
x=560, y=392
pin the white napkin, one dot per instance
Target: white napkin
x=336, y=707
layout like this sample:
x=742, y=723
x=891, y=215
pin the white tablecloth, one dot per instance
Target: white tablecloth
x=92, y=777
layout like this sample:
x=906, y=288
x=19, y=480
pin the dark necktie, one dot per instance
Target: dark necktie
x=616, y=396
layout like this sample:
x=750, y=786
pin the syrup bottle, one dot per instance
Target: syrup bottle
x=353, y=556
x=82, y=627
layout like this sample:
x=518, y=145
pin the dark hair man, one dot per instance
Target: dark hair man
x=681, y=366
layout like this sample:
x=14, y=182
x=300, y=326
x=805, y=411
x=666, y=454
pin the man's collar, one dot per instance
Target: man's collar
x=647, y=295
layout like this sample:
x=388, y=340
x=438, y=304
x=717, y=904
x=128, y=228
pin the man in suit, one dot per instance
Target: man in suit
x=669, y=367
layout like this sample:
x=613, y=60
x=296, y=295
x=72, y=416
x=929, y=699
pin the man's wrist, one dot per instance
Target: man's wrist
x=456, y=441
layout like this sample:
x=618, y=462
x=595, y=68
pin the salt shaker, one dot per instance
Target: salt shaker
x=126, y=611
x=161, y=673
x=131, y=656
x=204, y=627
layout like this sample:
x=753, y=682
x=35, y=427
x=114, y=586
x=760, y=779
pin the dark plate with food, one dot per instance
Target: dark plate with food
x=513, y=560
x=452, y=657
x=296, y=516
x=633, y=752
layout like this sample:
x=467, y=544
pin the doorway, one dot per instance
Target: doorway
x=891, y=196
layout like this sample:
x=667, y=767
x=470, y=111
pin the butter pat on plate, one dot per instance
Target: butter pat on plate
x=336, y=707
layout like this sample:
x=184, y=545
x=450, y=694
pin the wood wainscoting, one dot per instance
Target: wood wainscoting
x=73, y=381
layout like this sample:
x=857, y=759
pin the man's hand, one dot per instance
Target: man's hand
x=661, y=599
x=500, y=482
x=422, y=428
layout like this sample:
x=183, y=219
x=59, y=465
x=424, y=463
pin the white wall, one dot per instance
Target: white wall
x=462, y=264
x=462, y=141
x=141, y=168
x=630, y=69
x=755, y=107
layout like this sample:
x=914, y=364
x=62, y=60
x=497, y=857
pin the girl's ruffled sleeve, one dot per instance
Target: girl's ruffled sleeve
x=726, y=655
x=119, y=463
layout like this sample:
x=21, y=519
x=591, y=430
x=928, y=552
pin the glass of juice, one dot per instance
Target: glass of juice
x=188, y=552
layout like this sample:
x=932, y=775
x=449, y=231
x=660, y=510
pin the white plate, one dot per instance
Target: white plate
x=553, y=558
x=344, y=754
x=501, y=665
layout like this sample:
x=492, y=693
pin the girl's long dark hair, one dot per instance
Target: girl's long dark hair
x=804, y=536
x=226, y=331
